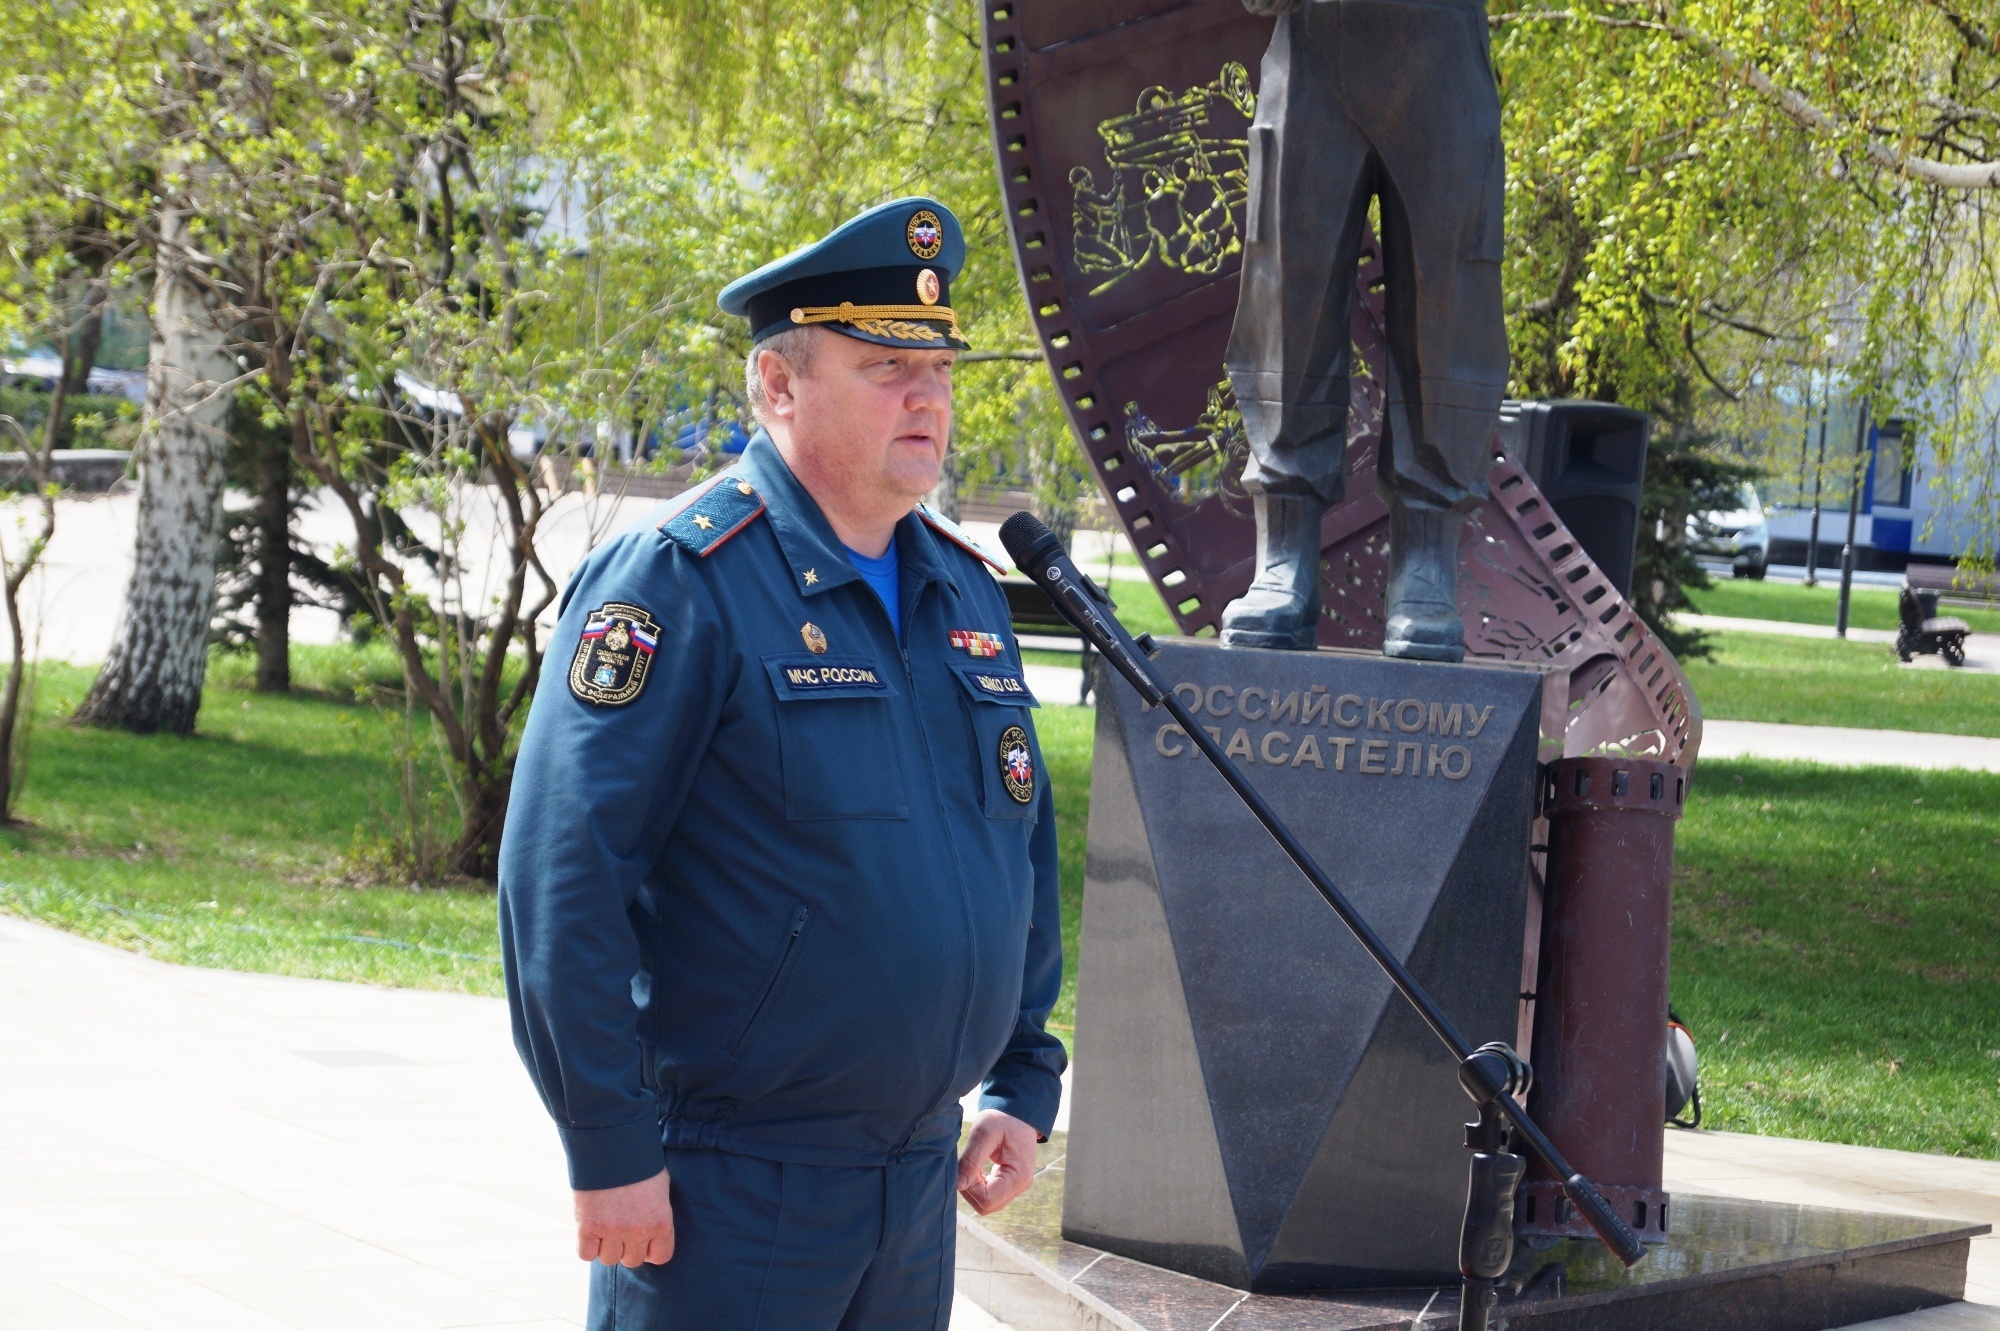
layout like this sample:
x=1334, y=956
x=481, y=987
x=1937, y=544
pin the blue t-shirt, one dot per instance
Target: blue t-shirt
x=881, y=574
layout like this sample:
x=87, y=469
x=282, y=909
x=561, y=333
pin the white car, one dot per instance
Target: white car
x=1741, y=535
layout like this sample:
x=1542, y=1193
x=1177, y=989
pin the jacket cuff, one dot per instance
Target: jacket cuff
x=1031, y=1095
x=613, y=1157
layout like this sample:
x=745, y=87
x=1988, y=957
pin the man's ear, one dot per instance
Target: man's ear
x=777, y=376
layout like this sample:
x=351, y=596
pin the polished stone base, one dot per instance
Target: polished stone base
x=1758, y=1266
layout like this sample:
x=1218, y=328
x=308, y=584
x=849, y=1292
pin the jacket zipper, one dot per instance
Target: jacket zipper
x=756, y=1018
x=965, y=907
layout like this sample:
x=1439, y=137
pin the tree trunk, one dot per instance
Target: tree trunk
x=477, y=854
x=79, y=342
x=17, y=573
x=159, y=655
x=274, y=560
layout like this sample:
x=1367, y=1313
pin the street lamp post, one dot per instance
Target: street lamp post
x=1819, y=473
x=1856, y=471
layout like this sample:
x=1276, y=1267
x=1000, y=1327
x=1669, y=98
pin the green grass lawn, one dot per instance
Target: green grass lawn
x=1795, y=603
x=1837, y=949
x=1825, y=682
x=230, y=848
x=1837, y=953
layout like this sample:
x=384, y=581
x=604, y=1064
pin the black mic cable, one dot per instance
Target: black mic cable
x=1490, y=1077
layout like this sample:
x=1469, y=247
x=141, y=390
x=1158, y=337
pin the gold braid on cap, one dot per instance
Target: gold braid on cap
x=884, y=320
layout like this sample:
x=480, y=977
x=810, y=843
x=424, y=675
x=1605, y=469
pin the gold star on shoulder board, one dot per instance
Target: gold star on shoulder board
x=701, y=520
x=812, y=576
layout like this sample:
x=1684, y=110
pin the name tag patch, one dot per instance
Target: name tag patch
x=811, y=677
x=820, y=677
x=614, y=654
x=1004, y=684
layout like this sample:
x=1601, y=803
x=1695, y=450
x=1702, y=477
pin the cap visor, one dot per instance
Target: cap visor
x=945, y=341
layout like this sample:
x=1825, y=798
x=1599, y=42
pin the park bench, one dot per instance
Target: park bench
x=1038, y=626
x=1923, y=633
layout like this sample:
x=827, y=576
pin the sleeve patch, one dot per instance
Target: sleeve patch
x=614, y=654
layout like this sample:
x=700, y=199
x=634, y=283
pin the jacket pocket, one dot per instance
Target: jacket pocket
x=768, y=999
x=1003, y=740
x=837, y=750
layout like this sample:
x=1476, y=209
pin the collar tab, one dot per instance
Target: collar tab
x=958, y=536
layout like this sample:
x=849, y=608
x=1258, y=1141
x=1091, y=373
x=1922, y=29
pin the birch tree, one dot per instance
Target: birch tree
x=152, y=678
x=1712, y=203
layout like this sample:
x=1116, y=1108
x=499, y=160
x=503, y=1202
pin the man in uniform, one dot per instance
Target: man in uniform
x=778, y=885
x=1390, y=100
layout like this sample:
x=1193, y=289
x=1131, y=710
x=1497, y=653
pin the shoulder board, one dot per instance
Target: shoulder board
x=957, y=536
x=706, y=516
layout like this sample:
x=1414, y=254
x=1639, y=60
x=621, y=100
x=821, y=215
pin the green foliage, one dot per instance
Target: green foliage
x=1710, y=205
x=89, y=420
x=1685, y=479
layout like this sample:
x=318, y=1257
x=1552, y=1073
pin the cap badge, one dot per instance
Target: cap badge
x=928, y=286
x=976, y=642
x=1017, y=765
x=815, y=638
x=926, y=235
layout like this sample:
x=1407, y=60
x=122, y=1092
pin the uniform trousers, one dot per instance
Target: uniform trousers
x=765, y=1246
x=1391, y=100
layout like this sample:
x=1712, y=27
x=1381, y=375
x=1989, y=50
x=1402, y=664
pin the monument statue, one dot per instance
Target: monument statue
x=1391, y=101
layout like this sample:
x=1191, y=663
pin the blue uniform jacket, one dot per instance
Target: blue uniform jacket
x=796, y=894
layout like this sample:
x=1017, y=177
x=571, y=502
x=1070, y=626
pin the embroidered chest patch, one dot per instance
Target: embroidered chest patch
x=614, y=654
x=1017, y=765
x=1002, y=684
x=983, y=645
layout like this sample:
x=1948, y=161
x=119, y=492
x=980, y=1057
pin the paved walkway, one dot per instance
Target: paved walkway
x=1845, y=746
x=196, y=1150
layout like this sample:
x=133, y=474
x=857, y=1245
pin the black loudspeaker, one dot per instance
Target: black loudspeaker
x=1589, y=458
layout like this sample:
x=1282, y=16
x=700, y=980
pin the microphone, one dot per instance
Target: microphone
x=1037, y=553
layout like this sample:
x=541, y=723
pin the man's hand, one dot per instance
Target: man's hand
x=1010, y=1145
x=626, y=1226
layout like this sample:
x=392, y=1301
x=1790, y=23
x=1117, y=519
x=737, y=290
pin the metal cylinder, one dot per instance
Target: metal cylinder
x=1601, y=1001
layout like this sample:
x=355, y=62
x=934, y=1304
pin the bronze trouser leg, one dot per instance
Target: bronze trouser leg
x=1359, y=98
x=1433, y=116
x=1310, y=181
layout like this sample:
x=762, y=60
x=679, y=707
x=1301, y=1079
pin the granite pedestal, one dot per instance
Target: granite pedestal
x=1728, y=1265
x=1253, y=1103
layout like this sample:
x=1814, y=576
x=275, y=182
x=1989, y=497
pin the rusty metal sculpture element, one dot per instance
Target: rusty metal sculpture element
x=1601, y=1015
x=1121, y=132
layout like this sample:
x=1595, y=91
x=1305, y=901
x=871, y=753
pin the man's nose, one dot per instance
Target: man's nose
x=928, y=394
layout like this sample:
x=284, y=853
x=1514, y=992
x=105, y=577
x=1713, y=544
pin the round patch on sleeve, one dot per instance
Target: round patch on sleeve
x=614, y=654
x=1017, y=765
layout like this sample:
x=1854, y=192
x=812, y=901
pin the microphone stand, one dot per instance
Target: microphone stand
x=1493, y=1075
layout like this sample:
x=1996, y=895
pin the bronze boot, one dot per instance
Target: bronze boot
x=1281, y=609
x=1422, y=604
